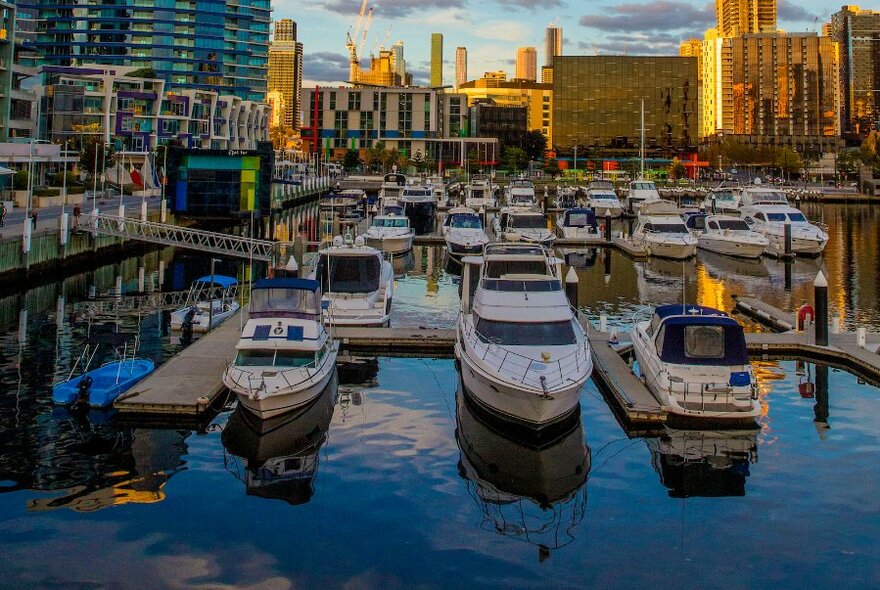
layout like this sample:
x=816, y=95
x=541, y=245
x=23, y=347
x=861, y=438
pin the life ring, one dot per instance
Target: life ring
x=806, y=314
x=278, y=330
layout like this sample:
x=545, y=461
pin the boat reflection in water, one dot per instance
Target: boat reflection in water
x=704, y=463
x=529, y=485
x=280, y=454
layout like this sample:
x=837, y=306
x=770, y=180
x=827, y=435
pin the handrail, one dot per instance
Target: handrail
x=310, y=369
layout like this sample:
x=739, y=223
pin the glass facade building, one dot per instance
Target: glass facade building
x=191, y=44
x=597, y=102
x=857, y=33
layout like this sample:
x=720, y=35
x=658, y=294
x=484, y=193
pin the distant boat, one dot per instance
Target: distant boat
x=199, y=303
x=100, y=387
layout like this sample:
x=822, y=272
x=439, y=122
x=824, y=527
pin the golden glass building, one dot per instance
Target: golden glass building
x=738, y=17
x=436, y=60
x=778, y=88
x=597, y=101
x=285, y=72
x=857, y=33
x=527, y=64
x=460, y=66
x=536, y=97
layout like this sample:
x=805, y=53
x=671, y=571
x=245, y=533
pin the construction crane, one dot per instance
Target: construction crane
x=350, y=44
x=364, y=35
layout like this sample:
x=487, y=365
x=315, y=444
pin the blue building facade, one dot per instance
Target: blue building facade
x=191, y=44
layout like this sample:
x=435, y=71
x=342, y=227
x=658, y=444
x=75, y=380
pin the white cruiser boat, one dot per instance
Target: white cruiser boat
x=391, y=189
x=639, y=192
x=577, y=223
x=479, y=194
x=520, y=194
x=217, y=292
x=463, y=231
x=357, y=282
x=601, y=200
x=523, y=353
x=662, y=232
x=767, y=211
x=722, y=201
x=285, y=355
x=694, y=360
x=725, y=234
x=523, y=226
x=390, y=233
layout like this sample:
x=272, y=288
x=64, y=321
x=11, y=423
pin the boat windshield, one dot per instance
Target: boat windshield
x=643, y=186
x=466, y=222
x=526, y=333
x=274, y=358
x=768, y=197
x=666, y=228
x=725, y=196
x=282, y=302
x=605, y=197
x=497, y=269
x=348, y=274
x=797, y=218
x=579, y=220
x=733, y=224
x=528, y=222
x=776, y=217
x=523, y=199
x=389, y=222
x=701, y=343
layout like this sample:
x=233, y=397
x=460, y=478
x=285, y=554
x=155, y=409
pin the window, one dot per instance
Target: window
x=734, y=224
x=775, y=216
x=797, y=217
x=526, y=333
x=354, y=101
x=349, y=274
x=704, y=342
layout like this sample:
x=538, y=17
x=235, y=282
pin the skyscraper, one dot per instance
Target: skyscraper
x=738, y=17
x=285, y=72
x=552, y=44
x=460, y=66
x=436, y=60
x=398, y=64
x=527, y=64
x=857, y=32
x=207, y=44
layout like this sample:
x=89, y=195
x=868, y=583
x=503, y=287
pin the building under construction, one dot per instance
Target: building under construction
x=387, y=69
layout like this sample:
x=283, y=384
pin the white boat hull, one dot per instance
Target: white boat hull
x=201, y=320
x=578, y=233
x=731, y=247
x=675, y=250
x=391, y=245
x=278, y=397
x=802, y=246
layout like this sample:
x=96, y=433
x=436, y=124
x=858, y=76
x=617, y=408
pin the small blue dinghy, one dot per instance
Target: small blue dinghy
x=101, y=386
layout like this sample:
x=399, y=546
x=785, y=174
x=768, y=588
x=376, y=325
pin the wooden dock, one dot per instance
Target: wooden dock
x=623, y=245
x=407, y=342
x=765, y=313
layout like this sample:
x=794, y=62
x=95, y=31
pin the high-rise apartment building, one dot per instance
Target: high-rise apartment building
x=527, y=64
x=7, y=52
x=693, y=48
x=738, y=17
x=857, y=33
x=398, y=64
x=552, y=44
x=285, y=73
x=204, y=44
x=460, y=66
x=537, y=99
x=436, y=60
x=775, y=88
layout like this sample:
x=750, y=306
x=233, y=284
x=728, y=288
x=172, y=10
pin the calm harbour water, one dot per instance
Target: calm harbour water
x=393, y=481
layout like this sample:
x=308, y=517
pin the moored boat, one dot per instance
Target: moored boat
x=463, y=232
x=577, y=223
x=725, y=234
x=390, y=233
x=662, y=232
x=211, y=300
x=100, y=387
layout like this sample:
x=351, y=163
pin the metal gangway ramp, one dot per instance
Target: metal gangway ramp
x=165, y=234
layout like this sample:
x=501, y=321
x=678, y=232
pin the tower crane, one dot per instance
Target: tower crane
x=350, y=44
x=364, y=35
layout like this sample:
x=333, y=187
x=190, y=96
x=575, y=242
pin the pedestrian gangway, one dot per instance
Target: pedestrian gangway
x=143, y=303
x=165, y=234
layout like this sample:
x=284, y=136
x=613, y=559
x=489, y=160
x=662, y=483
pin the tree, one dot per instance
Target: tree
x=473, y=159
x=105, y=153
x=279, y=136
x=515, y=158
x=788, y=160
x=418, y=160
x=677, y=169
x=351, y=160
x=551, y=167
x=535, y=145
x=848, y=162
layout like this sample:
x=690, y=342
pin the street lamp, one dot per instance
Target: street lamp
x=211, y=303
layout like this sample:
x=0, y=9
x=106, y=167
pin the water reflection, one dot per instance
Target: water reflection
x=526, y=488
x=707, y=463
x=281, y=454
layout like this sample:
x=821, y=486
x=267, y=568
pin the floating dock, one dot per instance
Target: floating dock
x=765, y=313
x=621, y=244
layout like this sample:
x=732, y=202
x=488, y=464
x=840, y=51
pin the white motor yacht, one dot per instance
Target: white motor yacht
x=767, y=211
x=478, y=194
x=390, y=233
x=577, y=223
x=639, y=192
x=463, y=231
x=725, y=234
x=602, y=200
x=391, y=189
x=357, y=283
x=217, y=292
x=520, y=194
x=694, y=360
x=523, y=226
x=285, y=356
x=662, y=232
x=722, y=201
x=523, y=353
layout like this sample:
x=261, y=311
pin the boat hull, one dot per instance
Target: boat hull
x=731, y=247
x=391, y=245
x=108, y=382
x=673, y=250
x=200, y=322
x=800, y=246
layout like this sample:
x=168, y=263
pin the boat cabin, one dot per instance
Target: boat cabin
x=699, y=335
x=349, y=270
x=290, y=298
x=580, y=218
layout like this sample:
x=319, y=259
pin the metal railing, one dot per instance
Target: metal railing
x=538, y=374
x=713, y=394
x=255, y=383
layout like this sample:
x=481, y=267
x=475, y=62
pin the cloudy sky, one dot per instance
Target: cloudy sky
x=493, y=29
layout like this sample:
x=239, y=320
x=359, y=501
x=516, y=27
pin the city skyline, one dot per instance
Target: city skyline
x=492, y=31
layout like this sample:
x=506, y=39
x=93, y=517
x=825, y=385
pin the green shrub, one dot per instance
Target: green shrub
x=20, y=180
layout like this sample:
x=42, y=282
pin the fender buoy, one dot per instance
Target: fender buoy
x=805, y=315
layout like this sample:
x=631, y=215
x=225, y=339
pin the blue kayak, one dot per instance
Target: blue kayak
x=101, y=386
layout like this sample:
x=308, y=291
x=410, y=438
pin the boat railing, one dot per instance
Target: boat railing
x=695, y=395
x=254, y=382
x=539, y=374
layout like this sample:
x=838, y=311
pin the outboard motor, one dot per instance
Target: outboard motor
x=186, y=326
x=85, y=384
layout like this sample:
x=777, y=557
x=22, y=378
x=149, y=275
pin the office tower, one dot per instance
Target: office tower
x=436, y=60
x=398, y=64
x=527, y=64
x=857, y=32
x=460, y=66
x=552, y=44
x=207, y=44
x=738, y=17
x=285, y=73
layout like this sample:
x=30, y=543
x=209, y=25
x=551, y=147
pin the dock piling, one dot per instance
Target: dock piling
x=861, y=337
x=835, y=324
x=787, y=238
x=608, y=225
x=820, y=294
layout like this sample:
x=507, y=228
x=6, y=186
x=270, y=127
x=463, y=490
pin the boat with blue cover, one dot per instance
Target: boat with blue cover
x=100, y=387
x=695, y=361
x=217, y=292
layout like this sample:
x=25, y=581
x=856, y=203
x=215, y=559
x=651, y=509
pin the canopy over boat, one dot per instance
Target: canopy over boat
x=579, y=218
x=220, y=280
x=698, y=335
x=285, y=297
